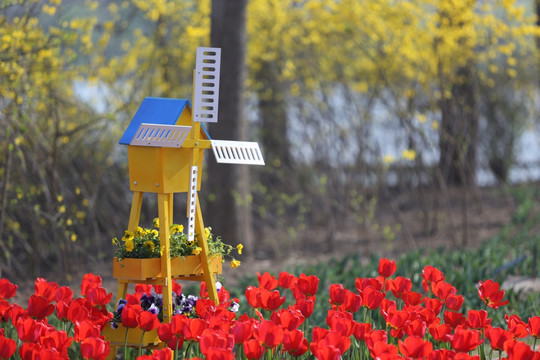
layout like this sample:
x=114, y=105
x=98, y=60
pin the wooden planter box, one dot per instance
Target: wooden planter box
x=145, y=269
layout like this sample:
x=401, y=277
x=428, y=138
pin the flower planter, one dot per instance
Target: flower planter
x=145, y=269
x=117, y=337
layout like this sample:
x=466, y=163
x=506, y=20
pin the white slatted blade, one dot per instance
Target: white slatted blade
x=206, y=91
x=192, y=203
x=160, y=135
x=237, y=152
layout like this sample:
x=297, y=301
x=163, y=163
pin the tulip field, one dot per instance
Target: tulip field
x=443, y=304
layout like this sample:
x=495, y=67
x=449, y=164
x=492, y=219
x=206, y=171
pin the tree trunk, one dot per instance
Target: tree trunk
x=228, y=207
x=459, y=128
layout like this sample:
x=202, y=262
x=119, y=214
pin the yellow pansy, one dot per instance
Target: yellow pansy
x=239, y=247
x=114, y=241
x=235, y=263
x=139, y=231
x=197, y=250
x=149, y=245
x=175, y=229
x=128, y=235
x=129, y=245
x=207, y=232
x=156, y=222
x=155, y=232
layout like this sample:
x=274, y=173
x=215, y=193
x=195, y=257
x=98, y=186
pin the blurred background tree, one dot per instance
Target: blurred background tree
x=356, y=103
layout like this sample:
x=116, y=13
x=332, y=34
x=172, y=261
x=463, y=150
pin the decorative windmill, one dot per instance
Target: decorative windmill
x=166, y=143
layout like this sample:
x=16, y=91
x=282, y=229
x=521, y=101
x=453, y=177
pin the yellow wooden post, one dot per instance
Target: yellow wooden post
x=164, y=211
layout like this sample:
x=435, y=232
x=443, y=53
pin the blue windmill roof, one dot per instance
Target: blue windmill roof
x=162, y=111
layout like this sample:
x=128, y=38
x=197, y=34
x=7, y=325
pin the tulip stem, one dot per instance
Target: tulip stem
x=140, y=343
x=125, y=344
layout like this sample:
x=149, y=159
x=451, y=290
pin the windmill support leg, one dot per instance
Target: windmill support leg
x=164, y=211
x=134, y=215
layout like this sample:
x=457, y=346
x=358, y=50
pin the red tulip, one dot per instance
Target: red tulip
x=307, y=285
x=286, y=280
x=340, y=322
x=57, y=340
x=30, y=351
x=270, y=334
x=5, y=307
x=516, y=326
x=242, y=331
x=288, y=319
x=253, y=296
x=375, y=336
x=166, y=335
x=478, y=319
x=415, y=347
x=305, y=307
x=412, y=298
x=95, y=349
x=271, y=300
x=90, y=281
x=372, y=298
x=64, y=294
x=362, y=283
x=29, y=329
x=517, y=350
x=98, y=296
x=387, y=267
x=352, y=303
x=360, y=330
x=163, y=354
x=253, y=349
x=433, y=304
x=325, y=352
x=143, y=288
x=382, y=350
x=417, y=327
x=130, y=314
x=454, y=319
x=267, y=281
x=454, y=302
x=490, y=293
x=147, y=321
x=46, y=289
x=399, y=285
x=294, y=342
x=7, y=347
x=440, y=332
x=497, y=337
x=85, y=329
x=465, y=340
x=215, y=340
x=39, y=307
x=431, y=275
x=337, y=294
x=442, y=289
x=193, y=328
x=534, y=326
x=7, y=289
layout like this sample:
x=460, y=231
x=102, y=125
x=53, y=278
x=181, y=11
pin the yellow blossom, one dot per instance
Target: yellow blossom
x=409, y=154
x=149, y=245
x=175, y=229
x=155, y=223
x=206, y=232
x=129, y=245
x=388, y=159
x=128, y=236
x=139, y=231
x=197, y=250
x=235, y=263
x=73, y=237
x=239, y=247
x=114, y=241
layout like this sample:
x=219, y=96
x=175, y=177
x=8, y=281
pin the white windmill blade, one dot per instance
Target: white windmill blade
x=192, y=203
x=237, y=152
x=160, y=135
x=206, y=91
